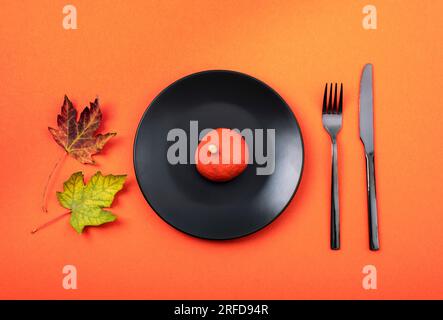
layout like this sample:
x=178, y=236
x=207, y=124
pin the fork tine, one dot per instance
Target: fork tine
x=335, y=109
x=330, y=100
x=340, y=103
x=324, y=99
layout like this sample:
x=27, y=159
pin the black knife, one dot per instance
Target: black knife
x=367, y=137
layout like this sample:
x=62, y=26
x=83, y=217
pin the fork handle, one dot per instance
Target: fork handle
x=372, y=203
x=335, y=212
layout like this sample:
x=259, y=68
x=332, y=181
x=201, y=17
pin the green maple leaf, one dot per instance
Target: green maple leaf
x=86, y=202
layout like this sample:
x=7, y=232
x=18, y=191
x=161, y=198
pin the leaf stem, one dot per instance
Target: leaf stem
x=49, y=222
x=45, y=191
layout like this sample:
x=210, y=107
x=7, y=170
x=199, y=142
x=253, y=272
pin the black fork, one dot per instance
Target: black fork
x=332, y=122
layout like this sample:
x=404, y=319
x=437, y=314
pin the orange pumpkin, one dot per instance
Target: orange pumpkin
x=221, y=155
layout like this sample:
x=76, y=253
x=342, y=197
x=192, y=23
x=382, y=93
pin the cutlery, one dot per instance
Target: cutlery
x=332, y=122
x=367, y=137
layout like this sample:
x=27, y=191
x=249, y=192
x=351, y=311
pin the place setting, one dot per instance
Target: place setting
x=219, y=154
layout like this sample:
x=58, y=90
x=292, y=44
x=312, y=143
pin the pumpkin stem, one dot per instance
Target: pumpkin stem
x=45, y=191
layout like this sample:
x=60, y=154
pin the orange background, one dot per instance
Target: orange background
x=127, y=51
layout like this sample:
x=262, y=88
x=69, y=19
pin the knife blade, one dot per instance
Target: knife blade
x=367, y=109
x=367, y=137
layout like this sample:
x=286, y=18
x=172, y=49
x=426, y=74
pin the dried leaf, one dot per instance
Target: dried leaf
x=86, y=202
x=78, y=138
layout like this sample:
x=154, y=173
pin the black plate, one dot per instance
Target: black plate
x=179, y=194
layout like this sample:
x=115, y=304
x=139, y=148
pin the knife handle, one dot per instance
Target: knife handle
x=372, y=203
